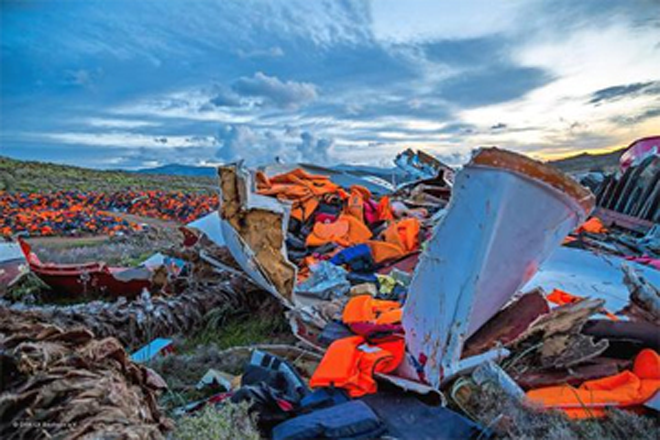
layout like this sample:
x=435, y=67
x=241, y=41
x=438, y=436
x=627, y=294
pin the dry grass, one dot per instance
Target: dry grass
x=226, y=422
x=122, y=251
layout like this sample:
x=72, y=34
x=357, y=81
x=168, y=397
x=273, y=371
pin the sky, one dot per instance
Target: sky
x=142, y=83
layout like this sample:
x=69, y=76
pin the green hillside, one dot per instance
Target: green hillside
x=585, y=162
x=27, y=176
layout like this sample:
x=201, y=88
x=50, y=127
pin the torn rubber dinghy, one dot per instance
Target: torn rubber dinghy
x=507, y=214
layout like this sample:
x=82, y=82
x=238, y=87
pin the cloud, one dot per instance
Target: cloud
x=271, y=90
x=238, y=142
x=271, y=52
x=625, y=91
x=259, y=147
x=82, y=77
x=348, y=80
x=119, y=123
x=636, y=118
x=119, y=139
x=225, y=97
x=313, y=150
x=494, y=84
x=144, y=157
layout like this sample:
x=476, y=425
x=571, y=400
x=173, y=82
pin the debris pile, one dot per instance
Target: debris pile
x=136, y=319
x=74, y=213
x=411, y=305
x=635, y=189
x=417, y=288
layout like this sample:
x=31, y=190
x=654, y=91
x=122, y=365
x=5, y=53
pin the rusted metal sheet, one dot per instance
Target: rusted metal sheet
x=507, y=214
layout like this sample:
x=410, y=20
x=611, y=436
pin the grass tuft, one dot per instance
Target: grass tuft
x=226, y=422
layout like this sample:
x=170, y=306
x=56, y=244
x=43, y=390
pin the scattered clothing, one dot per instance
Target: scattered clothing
x=333, y=331
x=356, y=259
x=345, y=231
x=407, y=418
x=75, y=213
x=350, y=363
x=299, y=187
x=364, y=308
x=364, y=289
x=323, y=398
x=326, y=281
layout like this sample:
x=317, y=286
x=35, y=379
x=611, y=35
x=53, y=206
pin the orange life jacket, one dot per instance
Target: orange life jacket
x=626, y=389
x=345, y=231
x=561, y=298
x=384, y=209
x=357, y=198
x=384, y=251
x=298, y=186
x=350, y=363
x=365, y=308
x=404, y=233
x=594, y=225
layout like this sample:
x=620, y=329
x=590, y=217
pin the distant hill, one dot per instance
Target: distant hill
x=191, y=170
x=180, y=170
x=29, y=176
x=585, y=162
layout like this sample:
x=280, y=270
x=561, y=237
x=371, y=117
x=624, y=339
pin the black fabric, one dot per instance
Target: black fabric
x=378, y=227
x=255, y=374
x=329, y=207
x=295, y=243
x=324, y=248
x=294, y=386
x=264, y=401
x=294, y=225
x=351, y=420
x=361, y=278
x=296, y=256
x=332, y=331
x=407, y=418
x=358, y=258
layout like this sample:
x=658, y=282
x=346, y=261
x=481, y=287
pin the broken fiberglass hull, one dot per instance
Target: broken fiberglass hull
x=507, y=214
